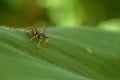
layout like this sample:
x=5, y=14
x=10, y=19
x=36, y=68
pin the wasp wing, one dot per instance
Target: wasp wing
x=44, y=27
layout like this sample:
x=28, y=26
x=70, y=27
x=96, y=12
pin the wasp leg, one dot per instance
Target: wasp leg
x=32, y=38
x=39, y=43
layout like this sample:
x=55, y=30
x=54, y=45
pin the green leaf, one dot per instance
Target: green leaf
x=72, y=54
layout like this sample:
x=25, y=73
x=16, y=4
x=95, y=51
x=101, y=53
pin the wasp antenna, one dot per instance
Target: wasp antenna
x=44, y=27
x=31, y=24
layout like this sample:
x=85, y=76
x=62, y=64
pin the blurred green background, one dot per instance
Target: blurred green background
x=103, y=14
x=87, y=52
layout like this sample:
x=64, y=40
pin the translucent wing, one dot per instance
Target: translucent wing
x=44, y=27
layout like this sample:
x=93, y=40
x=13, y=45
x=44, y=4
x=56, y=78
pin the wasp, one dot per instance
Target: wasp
x=36, y=34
